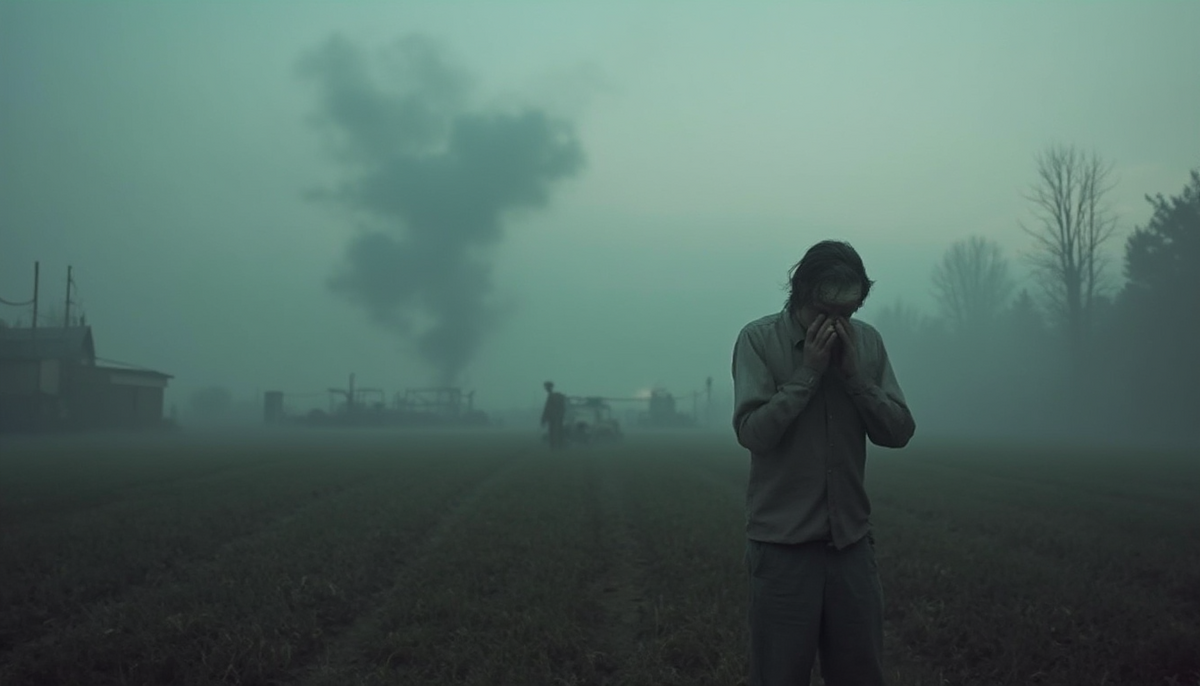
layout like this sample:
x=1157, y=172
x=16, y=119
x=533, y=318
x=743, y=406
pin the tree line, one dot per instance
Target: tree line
x=1077, y=350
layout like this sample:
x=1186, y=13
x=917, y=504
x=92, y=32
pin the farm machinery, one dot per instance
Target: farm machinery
x=589, y=420
x=364, y=407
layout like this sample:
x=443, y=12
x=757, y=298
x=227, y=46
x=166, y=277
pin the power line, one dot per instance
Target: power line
x=13, y=304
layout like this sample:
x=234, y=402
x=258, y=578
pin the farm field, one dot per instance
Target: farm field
x=430, y=558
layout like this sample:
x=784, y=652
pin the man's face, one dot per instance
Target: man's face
x=810, y=312
x=833, y=302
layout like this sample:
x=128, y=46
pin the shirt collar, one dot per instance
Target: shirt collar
x=791, y=324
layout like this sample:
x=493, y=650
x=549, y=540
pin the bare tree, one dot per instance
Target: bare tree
x=1073, y=224
x=972, y=284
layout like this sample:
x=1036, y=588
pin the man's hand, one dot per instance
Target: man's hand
x=818, y=342
x=849, y=351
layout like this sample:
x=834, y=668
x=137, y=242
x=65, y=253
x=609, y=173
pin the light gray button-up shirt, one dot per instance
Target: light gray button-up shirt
x=807, y=434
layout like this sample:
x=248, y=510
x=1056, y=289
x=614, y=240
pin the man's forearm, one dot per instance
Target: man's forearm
x=759, y=430
x=889, y=422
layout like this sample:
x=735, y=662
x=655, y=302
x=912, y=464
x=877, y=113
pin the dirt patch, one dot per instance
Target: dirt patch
x=620, y=634
x=339, y=656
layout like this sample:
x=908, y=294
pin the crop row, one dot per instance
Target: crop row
x=446, y=560
x=259, y=604
x=995, y=582
x=506, y=595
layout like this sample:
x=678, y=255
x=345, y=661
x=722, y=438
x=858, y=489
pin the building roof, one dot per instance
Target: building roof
x=73, y=343
x=136, y=371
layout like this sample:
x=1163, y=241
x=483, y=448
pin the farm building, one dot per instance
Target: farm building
x=49, y=380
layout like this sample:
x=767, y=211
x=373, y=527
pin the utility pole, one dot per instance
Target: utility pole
x=36, y=267
x=708, y=402
x=67, y=308
x=348, y=392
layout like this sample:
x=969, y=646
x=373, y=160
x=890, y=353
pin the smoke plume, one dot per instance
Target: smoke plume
x=429, y=178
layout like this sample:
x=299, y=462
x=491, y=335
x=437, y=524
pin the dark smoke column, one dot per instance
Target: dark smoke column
x=430, y=179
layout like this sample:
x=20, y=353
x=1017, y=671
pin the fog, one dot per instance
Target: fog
x=273, y=196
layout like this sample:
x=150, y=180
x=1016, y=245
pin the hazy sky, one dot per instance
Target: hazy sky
x=164, y=150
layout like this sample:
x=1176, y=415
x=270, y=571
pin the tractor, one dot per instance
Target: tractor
x=589, y=421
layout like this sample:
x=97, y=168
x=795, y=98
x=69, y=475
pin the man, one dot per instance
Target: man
x=810, y=386
x=553, y=414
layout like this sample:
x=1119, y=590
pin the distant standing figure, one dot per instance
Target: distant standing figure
x=553, y=415
x=810, y=386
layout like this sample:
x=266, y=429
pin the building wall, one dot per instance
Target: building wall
x=95, y=403
x=18, y=377
x=48, y=394
x=148, y=405
x=23, y=377
x=29, y=394
x=51, y=377
x=26, y=412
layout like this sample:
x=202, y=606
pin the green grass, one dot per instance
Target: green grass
x=483, y=559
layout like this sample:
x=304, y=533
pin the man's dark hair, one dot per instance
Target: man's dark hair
x=828, y=263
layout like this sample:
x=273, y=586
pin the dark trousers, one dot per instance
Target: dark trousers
x=558, y=437
x=809, y=598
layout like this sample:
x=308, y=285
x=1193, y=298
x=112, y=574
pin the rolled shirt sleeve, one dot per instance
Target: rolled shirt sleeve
x=880, y=401
x=763, y=410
